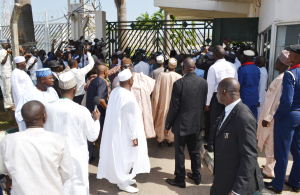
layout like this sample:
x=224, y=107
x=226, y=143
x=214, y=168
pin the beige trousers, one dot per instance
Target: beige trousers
x=270, y=160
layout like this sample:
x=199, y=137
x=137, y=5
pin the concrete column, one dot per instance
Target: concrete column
x=167, y=40
x=76, y=26
x=25, y=23
x=100, y=23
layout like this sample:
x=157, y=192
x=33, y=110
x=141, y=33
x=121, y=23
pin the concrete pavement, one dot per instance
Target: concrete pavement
x=162, y=167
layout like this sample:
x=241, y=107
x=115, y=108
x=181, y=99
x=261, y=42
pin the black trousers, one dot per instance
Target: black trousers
x=193, y=144
x=78, y=99
x=207, y=126
x=216, y=110
x=90, y=148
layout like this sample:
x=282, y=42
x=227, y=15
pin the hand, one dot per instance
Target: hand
x=231, y=193
x=8, y=52
x=205, y=50
x=21, y=49
x=258, y=104
x=96, y=114
x=27, y=55
x=207, y=108
x=265, y=123
x=166, y=132
x=54, y=41
x=81, y=38
x=35, y=61
x=135, y=142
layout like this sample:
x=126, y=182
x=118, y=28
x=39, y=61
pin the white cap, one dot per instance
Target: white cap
x=119, y=52
x=125, y=75
x=249, y=53
x=160, y=59
x=19, y=59
x=67, y=80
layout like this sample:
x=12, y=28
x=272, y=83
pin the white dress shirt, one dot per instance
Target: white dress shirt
x=228, y=109
x=80, y=75
x=220, y=70
x=37, y=161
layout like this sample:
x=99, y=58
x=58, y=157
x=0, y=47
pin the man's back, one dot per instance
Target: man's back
x=142, y=67
x=187, y=105
x=37, y=161
x=155, y=73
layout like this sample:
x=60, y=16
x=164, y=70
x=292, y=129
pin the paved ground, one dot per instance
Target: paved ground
x=162, y=167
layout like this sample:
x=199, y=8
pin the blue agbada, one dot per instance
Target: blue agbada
x=249, y=76
x=287, y=130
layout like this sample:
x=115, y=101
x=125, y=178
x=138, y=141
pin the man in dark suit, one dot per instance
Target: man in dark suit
x=54, y=66
x=185, y=116
x=236, y=167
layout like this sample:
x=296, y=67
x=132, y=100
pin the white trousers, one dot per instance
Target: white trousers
x=6, y=91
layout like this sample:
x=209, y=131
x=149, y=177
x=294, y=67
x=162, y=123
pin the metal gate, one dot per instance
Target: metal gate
x=153, y=36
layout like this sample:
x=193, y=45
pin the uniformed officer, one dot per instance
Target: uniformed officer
x=287, y=127
x=249, y=76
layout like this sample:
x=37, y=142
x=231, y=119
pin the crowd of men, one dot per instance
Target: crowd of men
x=71, y=100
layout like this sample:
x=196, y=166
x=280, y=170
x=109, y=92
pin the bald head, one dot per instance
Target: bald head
x=228, y=91
x=34, y=114
x=188, y=65
x=219, y=52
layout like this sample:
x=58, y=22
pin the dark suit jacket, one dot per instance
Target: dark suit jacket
x=200, y=64
x=236, y=166
x=187, y=105
x=56, y=85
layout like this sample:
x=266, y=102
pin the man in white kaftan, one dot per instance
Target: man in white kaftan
x=142, y=89
x=43, y=92
x=5, y=73
x=20, y=80
x=123, y=144
x=76, y=124
x=34, y=64
x=37, y=161
x=263, y=82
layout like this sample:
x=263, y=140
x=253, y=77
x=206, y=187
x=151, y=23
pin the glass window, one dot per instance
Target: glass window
x=286, y=36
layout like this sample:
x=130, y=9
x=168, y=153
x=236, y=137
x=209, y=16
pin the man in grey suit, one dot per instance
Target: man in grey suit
x=236, y=167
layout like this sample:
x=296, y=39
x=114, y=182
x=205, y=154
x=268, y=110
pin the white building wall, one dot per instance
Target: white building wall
x=287, y=11
x=266, y=14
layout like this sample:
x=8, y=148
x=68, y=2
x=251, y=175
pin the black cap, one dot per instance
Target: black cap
x=295, y=48
x=53, y=64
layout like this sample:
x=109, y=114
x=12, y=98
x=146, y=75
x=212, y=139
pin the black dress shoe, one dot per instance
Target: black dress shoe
x=269, y=186
x=172, y=182
x=161, y=143
x=265, y=176
x=209, y=148
x=169, y=144
x=197, y=180
x=294, y=189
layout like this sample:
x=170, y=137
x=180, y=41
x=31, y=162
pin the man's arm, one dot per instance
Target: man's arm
x=246, y=142
x=91, y=127
x=52, y=46
x=34, y=62
x=240, y=76
x=102, y=93
x=174, y=106
x=287, y=96
x=5, y=58
x=65, y=168
x=113, y=71
x=211, y=82
x=128, y=114
x=88, y=67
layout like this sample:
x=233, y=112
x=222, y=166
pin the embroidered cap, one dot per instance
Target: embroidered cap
x=160, y=59
x=19, y=59
x=43, y=72
x=284, y=57
x=67, y=81
x=125, y=75
x=172, y=63
x=249, y=53
x=3, y=41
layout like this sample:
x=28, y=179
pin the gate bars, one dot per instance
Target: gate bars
x=153, y=36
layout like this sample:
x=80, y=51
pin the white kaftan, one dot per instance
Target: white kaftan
x=34, y=94
x=262, y=89
x=20, y=82
x=5, y=71
x=38, y=65
x=37, y=161
x=123, y=123
x=76, y=124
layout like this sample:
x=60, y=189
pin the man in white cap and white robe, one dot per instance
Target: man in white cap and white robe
x=61, y=116
x=20, y=80
x=43, y=92
x=5, y=73
x=123, y=146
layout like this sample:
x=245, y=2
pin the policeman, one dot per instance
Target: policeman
x=287, y=127
x=249, y=76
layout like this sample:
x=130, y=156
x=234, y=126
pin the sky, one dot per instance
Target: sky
x=134, y=8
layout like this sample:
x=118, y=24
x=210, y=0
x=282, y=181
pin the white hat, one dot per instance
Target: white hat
x=119, y=52
x=125, y=75
x=249, y=53
x=160, y=59
x=67, y=80
x=172, y=63
x=19, y=59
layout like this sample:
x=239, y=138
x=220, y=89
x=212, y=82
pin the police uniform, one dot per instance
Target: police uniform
x=287, y=128
x=249, y=77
